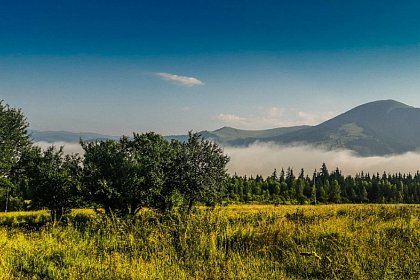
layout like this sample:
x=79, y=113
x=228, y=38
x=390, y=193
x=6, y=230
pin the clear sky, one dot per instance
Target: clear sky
x=116, y=67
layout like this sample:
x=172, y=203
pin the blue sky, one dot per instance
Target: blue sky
x=170, y=66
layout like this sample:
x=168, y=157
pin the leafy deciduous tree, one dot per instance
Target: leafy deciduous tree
x=124, y=176
x=54, y=181
x=199, y=170
x=13, y=141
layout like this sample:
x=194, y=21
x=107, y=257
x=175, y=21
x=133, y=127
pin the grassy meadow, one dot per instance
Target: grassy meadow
x=233, y=242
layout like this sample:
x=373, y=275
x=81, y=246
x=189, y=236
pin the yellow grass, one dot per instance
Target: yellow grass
x=234, y=242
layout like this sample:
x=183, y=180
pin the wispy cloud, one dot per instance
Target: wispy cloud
x=180, y=80
x=231, y=118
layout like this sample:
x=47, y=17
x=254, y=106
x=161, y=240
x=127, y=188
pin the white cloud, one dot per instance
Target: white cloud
x=231, y=118
x=262, y=158
x=275, y=112
x=180, y=80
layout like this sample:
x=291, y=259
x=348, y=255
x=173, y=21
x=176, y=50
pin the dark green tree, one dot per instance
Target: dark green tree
x=125, y=176
x=335, y=192
x=107, y=174
x=150, y=156
x=14, y=140
x=199, y=171
x=54, y=181
x=13, y=137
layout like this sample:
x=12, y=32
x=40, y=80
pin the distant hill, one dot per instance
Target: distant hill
x=65, y=136
x=373, y=129
x=233, y=136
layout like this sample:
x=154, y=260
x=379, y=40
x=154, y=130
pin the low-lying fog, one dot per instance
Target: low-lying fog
x=262, y=158
x=69, y=148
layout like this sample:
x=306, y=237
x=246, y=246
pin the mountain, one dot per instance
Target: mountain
x=233, y=136
x=65, y=136
x=377, y=128
x=374, y=129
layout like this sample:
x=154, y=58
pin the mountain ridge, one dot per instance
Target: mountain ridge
x=376, y=128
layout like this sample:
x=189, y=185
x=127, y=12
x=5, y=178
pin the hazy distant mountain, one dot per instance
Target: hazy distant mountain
x=233, y=136
x=65, y=136
x=376, y=128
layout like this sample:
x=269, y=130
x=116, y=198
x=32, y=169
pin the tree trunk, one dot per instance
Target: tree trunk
x=56, y=214
x=190, y=205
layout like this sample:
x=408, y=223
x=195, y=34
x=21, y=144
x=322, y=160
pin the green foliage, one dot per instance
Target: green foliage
x=127, y=175
x=151, y=156
x=325, y=187
x=14, y=140
x=199, y=170
x=147, y=171
x=334, y=193
x=54, y=181
x=107, y=173
x=13, y=137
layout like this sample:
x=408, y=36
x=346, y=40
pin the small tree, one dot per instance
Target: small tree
x=13, y=137
x=199, y=170
x=127, y=175
x=150, y=156
x=13, y=141
x=54, y=181
x=335, y=192
x=106, y=174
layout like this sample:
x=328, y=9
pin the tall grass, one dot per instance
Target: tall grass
x=234, y=242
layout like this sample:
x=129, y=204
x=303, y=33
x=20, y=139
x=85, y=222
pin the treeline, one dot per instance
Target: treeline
x=285, y=187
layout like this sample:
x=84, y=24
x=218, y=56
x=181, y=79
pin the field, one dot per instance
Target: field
x=233, y=242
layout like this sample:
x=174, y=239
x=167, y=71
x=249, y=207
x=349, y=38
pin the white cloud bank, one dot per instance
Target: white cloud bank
x=262, y=158
x=180, y=80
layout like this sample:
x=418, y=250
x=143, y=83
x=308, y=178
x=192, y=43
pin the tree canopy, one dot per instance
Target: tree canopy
x=14, y=140
x=13, y=137
x=199, y=170
x=145, y=171
x=54, y=181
